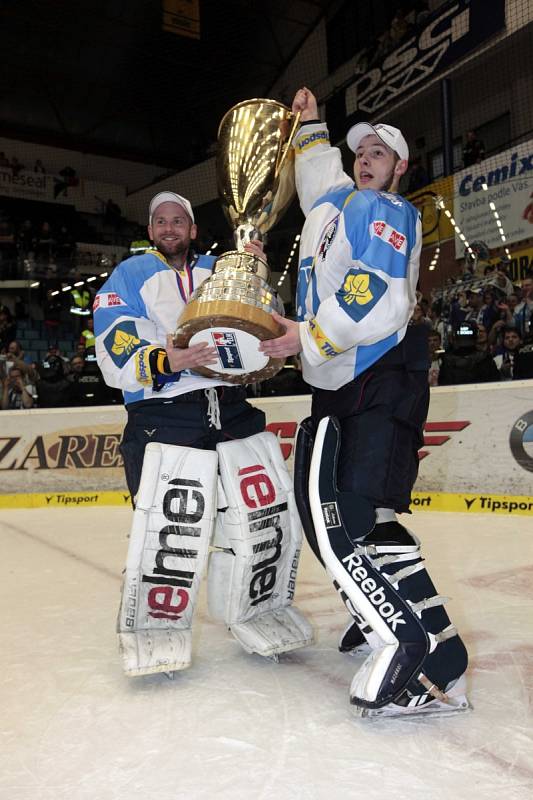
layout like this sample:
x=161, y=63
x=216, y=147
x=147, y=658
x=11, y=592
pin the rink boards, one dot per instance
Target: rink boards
x=477, y=455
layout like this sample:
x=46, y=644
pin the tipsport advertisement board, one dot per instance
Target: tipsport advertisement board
x=477, y=455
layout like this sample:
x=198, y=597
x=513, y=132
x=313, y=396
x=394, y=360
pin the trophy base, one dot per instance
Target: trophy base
x=235, y=330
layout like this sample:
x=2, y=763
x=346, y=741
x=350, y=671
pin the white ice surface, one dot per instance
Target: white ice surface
x=237, y=726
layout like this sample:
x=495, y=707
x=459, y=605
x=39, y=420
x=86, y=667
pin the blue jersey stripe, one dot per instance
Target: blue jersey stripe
x=336, y=198
x=133, y=397
x=368, y=354
x=382, y=256
x=314, y=290
x=301, y=286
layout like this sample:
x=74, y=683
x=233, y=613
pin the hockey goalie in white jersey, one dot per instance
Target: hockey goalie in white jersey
x=211, y=476
x=357, y=454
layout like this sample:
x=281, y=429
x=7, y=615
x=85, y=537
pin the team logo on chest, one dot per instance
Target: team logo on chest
x=328, y=237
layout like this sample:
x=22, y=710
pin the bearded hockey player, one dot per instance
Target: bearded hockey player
x=357, y=455
x=199, y=464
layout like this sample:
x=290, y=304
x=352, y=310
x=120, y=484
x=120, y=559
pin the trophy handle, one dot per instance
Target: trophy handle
x=288, y=144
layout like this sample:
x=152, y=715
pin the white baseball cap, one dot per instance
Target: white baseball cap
x=390, y=136
x=169, y=197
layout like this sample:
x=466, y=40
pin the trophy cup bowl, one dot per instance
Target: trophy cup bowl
x=232, y=309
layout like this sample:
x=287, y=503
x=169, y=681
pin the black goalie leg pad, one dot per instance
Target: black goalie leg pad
x=302, y=460
x=342, y=521
x=419, y=654
x=447, y=659
x=353, y=637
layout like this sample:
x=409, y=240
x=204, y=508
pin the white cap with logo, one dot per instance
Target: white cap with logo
x=169, y=197
x=389, y=135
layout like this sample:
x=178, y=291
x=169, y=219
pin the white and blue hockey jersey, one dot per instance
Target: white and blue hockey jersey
x=359, y=263
x=133, y=313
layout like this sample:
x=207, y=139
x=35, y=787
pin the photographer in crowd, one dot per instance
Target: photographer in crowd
x=464, y=363
x=16, y=393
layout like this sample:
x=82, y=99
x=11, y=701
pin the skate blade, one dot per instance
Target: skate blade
x=433, y=708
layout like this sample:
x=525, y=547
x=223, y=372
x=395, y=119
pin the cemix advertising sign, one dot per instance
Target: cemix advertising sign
x=477, y=454
x=508, y=178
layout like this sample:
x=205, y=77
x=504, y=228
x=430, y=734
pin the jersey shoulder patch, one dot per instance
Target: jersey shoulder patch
x=360, y=292
x=122, y=340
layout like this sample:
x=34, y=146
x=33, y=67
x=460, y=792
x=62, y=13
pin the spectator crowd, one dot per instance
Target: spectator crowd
x=57, y=380
x=480, y=332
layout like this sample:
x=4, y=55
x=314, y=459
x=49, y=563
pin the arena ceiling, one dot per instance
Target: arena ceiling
x=103, y=77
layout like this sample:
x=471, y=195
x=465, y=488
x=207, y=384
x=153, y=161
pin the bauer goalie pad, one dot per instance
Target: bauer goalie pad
x=251, y=579
x=168, y=547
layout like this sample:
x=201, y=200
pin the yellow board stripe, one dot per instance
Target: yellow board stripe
x=65, y=499
x=482, y=503
x=422, y=501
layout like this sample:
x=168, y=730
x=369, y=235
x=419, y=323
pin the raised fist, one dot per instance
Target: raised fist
x=305, y=103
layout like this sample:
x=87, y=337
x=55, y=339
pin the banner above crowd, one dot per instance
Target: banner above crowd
x=85, y=195
x=493, y=200
x=452, y=32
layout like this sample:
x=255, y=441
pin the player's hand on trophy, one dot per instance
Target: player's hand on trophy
x=256, y=248
x=288, y=344
x=305, y=103
x=197, y=355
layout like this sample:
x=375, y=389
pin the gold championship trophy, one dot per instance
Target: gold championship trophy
x=232, y=309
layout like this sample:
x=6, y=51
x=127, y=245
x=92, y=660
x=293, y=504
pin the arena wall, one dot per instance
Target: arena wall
x=477, y=454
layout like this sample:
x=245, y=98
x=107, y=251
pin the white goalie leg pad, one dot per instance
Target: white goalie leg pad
x=169, y=541
x=251, y=582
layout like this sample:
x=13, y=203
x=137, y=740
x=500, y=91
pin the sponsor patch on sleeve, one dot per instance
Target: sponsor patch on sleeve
x=307, y=142
x=143, y=372
x=360, y=293
x=389, y=235
x=108, y=300
x=326, y=346
x=122, y=341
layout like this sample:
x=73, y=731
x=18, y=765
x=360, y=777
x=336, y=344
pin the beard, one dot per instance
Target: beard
x=175, y=249
x=388, y=182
